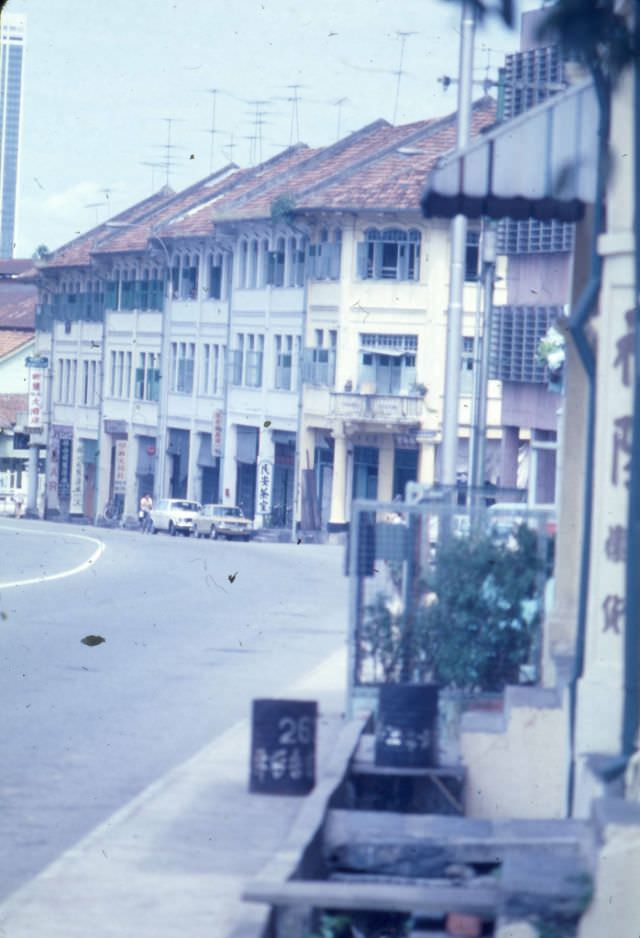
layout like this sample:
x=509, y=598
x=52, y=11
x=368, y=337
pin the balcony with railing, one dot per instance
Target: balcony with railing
x=378, y=408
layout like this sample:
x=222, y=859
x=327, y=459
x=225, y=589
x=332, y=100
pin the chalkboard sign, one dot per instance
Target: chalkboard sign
x=406, y=725
x=283, y=747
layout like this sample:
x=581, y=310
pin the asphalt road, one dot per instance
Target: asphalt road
x=193, y=631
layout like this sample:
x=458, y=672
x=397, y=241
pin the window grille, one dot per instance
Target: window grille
x=515, y=336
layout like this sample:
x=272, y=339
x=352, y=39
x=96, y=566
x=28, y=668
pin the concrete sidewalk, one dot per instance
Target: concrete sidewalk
x=174, y=860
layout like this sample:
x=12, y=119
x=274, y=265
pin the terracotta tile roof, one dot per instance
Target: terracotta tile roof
x=18, y=305
x=394, y=179
x=13, y=266
x=11, y=341
x=378, y=166
x=77, y=253
x=199, y=220
x=11, y=406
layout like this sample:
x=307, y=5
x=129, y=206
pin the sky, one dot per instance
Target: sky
x=102, y=77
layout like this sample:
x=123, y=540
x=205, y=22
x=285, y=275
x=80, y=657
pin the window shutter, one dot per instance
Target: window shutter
x=271, y=267
x=307, y=365
x=323, y=272
x=215, y=283
x=403, y=262
x=362, y=259
x=334, y=260
x=311, y=261
x=377, y=260
x=110, y=294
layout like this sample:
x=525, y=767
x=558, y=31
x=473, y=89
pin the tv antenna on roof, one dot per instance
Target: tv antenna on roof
x=154, y=167
x=230, y=147
x=96, y=206
x=214, y=94
x=169, y=147
x=402, y=36
x=339, y=104
x=258, y=120
x=295, y=114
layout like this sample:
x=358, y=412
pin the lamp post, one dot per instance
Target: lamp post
x=458, y=248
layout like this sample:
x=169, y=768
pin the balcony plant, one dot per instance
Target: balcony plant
x=551, y=353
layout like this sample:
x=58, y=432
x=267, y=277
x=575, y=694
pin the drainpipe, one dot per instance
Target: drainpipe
x=577, y=322
x=100, y=435
x=458, y=242
x=297, y=460
x=163, y=402
x=227, y=279
x=632, y=624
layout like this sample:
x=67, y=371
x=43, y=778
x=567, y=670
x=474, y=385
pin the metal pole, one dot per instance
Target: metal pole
x=488, y=246
x=458, y=248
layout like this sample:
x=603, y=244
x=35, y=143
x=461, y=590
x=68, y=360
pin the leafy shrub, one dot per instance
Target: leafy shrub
x=483, y=611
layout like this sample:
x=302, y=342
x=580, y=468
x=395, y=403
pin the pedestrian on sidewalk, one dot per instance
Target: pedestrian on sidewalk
x=144, y=514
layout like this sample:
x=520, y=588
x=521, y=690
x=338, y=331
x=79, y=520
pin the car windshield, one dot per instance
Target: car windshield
x=232, y=512
x=186, y=506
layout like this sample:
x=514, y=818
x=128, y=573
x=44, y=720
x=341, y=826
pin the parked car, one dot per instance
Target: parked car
x=223, y=521
x=175, y=515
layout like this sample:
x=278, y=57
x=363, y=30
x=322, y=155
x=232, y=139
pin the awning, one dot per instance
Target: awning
x=247, y=444
x=541, y=164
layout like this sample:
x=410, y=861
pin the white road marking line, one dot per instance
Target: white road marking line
x=44, y=578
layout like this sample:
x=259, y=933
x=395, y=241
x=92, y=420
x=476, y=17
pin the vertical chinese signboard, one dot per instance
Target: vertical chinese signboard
x=265, y=486
x=217, y=434
x=35, y=405
x=76, y=503
x=120, y=475
x=58, y=464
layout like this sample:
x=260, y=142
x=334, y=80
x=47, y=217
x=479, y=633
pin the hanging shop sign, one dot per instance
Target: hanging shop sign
x=217, y=434
x=265, y=486
x=76, y=503
x=120, y=474
x=35, y=401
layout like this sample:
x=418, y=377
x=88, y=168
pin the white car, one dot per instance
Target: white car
x=175, y=515
x=223, y=521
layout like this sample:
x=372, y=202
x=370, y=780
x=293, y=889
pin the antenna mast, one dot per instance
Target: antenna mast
x=402, y=36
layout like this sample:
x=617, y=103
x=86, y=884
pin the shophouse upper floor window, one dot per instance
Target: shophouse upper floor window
x=389, y=254
x=147, y=378
x=324, y=255
x=283, y=348
x=320, y=359
x=218, y=275
x=387, y=363
x=183, y=355
x=128, y=289
x=184, y=277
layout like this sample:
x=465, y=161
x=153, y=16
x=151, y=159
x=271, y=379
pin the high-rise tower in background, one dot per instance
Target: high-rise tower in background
x=12, y=38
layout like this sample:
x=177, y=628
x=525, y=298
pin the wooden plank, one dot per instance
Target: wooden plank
x=429, y=900
x=388, y=843
x=363, y=763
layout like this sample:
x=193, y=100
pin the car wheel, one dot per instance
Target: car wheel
x=213, y=533
x=152, y=528
x=172, y=529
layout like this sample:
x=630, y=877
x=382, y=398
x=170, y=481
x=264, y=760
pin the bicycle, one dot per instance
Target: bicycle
x=112, y=510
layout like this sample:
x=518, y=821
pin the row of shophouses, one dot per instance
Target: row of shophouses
x=276, y=337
